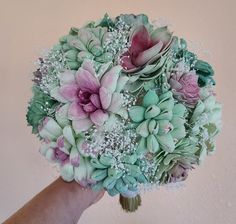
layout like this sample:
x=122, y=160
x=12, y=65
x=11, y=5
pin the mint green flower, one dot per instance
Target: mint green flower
x=158, y=121
x=166, y=163
x=115, y=178
x=205, y=124
x=84, y=43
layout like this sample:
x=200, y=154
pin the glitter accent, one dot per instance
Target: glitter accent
x=117, y=41
x=117, y=142
x=52, y=63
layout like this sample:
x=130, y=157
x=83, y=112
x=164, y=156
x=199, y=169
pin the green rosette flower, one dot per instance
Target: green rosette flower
x=166, y=163
x=205, y=124
x=84, y=43
x=159, y=122
x=117, y=177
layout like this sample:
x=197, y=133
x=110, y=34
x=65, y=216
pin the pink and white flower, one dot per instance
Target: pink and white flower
x=145, y=47
x=62, y=147
x=59, y=143
x=91, y=98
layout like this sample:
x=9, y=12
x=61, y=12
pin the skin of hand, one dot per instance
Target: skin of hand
x=60, y=202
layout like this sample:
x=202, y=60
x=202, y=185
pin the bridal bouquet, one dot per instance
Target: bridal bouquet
x=123, y=105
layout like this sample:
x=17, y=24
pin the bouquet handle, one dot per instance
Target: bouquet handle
x=130, y=204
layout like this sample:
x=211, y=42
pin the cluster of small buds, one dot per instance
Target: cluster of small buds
x=49, y=67
x=117, y=41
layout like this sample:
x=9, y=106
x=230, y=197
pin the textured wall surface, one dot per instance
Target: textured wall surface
x=27, y=27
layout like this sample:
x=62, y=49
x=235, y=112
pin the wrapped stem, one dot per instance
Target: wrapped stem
x=130, y=204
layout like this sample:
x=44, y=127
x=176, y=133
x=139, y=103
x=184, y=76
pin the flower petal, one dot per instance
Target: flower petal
x=105, y=97
x=68, y=134
x=61, y=115
x=75, y=112
x=88, y=65
x=150, y=98
x=67, y=172
x=87, y=81
x=81, y=125
x=142, y=129
x=166, y=142
x=89, y=107
x=148, y=54
x=50, y=126
x=123, y=79
x=74, y=157
x=161, y=34
x=54, y=93
x=152, y=144
x=136, y=113
x=69, y=91
x=94, y=98
x=99, y=117
x=140, y=41
x=109, y=80
x=126, y=62
x=116, y=102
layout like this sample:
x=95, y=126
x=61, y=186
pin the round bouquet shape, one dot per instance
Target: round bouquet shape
x=122, y=105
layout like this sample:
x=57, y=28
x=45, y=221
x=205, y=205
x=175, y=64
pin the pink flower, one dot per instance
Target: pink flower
x=91, y=98
x=145, y=48
x=59, y=143
x=185, y=87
